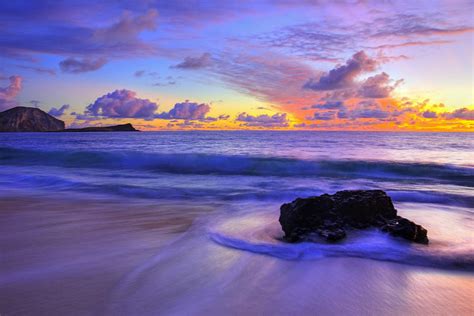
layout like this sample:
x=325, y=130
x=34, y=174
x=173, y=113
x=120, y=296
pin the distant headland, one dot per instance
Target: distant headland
x=27, y=119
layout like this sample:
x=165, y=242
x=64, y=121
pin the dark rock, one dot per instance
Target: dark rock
x=330, y=215
x=115, y=128
x=25, y=119
x=332, y=234
x=407, y=229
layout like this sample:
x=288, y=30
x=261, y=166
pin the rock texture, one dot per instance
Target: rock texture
x=330, y=216
x=26, y=119
x=116, y=128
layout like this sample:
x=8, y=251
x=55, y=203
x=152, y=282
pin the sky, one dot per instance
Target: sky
x=281, y=64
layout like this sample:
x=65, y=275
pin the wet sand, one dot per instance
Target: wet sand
x=80, y=256
x=65, y=256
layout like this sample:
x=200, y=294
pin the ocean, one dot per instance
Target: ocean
x=187, y=223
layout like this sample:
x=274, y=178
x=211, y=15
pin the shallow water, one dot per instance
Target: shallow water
x=187, y=223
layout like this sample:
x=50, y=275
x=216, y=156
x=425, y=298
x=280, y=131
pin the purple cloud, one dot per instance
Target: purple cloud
x=224, y=117
x=323, y=116
x=329, y=105
x=265, y=120
x=72, y=65
x=368, y=110
x=327, y=40
x=75, y=37
x=9, y=93
x=58, y=112
x=35, y=103
x=39, y=70
x=187, y=111
x=343, y=76
x=189, y=124
x=461, y=114
x=429, y=114
x=122, y=104
x=370, y=113
x=139, y=73
x=408, y=25
x=263, y=75
x=164, y=84
x=195, y=62
x=411, y=44
x=377, y=86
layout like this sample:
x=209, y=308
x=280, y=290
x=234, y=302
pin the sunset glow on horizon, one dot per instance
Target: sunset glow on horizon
x=224, y=65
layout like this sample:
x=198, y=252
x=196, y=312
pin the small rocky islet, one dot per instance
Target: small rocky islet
x=331, y=217
x=28, y=119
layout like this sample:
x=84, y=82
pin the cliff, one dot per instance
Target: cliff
x=26, y=119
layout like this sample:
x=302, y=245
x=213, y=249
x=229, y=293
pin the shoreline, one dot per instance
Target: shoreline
x=65, y=256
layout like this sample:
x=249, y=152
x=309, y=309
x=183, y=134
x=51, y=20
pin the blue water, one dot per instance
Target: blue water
x=230, y=186
x=279, y=166
x=244, y=167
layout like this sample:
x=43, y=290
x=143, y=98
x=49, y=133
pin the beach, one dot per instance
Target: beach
x=192, y=228
x=98, y=257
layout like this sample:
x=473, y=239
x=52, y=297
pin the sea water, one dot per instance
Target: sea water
x=227, y=188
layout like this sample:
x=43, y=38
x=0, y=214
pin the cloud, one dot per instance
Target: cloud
x=164, y=84
x=343, y=76
x=323, y=116
x=187, y=111
x=263, y=74
x=35, y=103
x=378, y=86
x=412, y=25
x=411, y=44
x=334, y=34
x=329, y=105
x=139, y=73
x=190, y=124
x=376, y=113
x=429, y=114
x=127, y=28
x=10, y=92
x=39, y=70
x=64, y=30
x=75, y=66
x=224, y=117
x=84, y=117
x=461, y=114
x=300, y=125
x=195, y=62
x=265, y=120
x=153, y=74
x=121, y=104
x=369, y=109
x=58, y=112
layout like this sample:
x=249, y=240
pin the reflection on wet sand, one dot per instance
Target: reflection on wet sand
x=98, y=256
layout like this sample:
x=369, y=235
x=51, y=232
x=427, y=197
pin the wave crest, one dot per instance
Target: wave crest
x=239, y=165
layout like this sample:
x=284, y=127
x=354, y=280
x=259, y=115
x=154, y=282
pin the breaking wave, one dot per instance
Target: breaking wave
x=261, y=233
x=240, y=165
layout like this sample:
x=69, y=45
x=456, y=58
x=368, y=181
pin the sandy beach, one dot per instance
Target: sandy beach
x=84, y=256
